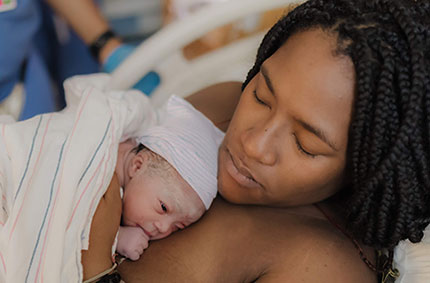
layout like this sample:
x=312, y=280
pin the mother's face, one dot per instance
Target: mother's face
x=286, y=144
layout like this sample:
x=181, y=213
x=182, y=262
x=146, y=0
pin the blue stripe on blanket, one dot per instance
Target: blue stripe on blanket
x=47, y=209
x=29, y=156
x=95, y=153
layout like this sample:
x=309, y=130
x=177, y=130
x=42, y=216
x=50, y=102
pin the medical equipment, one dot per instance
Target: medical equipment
x=133, y=19
x=162, y=51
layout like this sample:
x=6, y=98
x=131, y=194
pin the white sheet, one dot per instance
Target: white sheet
x=413, y=260
x=54, y=168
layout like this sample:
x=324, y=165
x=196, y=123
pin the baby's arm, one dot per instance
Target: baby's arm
x=131, y=242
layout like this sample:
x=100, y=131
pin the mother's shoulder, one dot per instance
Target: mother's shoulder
x=291, y=245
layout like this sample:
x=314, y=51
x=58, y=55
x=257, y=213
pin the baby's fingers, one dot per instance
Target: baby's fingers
x=143, y=244
x=134, y=255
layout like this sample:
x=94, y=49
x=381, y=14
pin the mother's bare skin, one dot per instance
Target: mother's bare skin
x=249, y=243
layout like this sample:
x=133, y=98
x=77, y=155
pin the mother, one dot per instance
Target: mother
x=334, y=112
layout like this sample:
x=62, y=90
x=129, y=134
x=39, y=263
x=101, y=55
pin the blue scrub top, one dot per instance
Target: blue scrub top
x=17, y=29
x=27, y=35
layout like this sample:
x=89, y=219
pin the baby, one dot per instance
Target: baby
x=55, y=168
x=168, y=176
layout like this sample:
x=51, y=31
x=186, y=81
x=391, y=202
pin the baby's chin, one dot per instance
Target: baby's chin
x=159, y=237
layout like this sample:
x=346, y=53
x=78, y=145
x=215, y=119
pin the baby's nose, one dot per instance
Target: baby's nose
x=163, y=227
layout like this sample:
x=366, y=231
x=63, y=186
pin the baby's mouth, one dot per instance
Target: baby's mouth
x=147, y=233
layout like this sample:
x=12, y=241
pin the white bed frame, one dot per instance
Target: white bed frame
x=162, y=51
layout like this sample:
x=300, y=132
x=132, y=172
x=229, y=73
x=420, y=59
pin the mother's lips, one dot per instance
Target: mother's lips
x=241, y=169
x=240, y=173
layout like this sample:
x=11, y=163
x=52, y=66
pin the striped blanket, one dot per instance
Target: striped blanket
x=54, y=168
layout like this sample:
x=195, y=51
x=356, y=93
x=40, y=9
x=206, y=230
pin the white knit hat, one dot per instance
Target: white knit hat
x=189, y=142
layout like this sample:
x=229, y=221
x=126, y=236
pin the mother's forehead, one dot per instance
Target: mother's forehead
x=307, y=61
x=312, y=46
x=313, y=82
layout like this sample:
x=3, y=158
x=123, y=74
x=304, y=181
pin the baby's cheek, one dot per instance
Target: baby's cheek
x=129, y=215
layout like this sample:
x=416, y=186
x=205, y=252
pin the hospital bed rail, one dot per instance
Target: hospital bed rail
x=162, y=51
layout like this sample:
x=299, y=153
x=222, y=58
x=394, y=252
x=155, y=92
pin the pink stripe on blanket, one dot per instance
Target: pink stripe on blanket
x=100, y=187
x=83, y=192
x=89, y=182
x=104, y=173
x=4, y=264
x=42, y=253
x=31, y=177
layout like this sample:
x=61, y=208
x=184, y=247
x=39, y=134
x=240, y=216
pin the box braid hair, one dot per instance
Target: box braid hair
x=388, y=159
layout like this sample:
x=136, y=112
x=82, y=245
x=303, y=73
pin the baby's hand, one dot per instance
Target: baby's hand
x=131, y=242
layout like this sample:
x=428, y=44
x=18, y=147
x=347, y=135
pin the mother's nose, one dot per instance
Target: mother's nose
x=259, y=144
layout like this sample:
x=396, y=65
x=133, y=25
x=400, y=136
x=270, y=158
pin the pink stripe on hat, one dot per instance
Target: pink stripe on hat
x=189, y=142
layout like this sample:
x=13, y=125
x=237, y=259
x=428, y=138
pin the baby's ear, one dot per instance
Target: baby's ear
x=138, y=164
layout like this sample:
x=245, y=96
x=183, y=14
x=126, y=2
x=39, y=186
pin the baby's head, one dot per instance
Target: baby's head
x=156, y=197
x=178, y=179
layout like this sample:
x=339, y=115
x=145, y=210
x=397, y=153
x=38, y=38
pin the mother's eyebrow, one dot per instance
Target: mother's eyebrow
x=267, y=79
x=318, y=132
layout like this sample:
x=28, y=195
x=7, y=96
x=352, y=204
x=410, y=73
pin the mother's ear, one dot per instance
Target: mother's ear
x=138, y=164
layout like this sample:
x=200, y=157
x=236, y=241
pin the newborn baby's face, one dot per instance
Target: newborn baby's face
x=158, y=206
